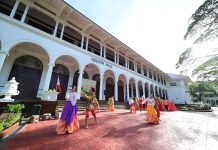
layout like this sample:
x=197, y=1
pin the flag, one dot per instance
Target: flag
x=58, y=86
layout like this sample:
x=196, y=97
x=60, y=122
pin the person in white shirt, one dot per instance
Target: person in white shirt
x=69, y=122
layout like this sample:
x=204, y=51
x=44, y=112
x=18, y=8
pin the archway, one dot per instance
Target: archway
x=146, y=90
x=93, y=73
x=163, y=94
x=140, y=89
x=109, y=84
x=132, y=88
x=152, y=90
x=60, y=71
x=160, y=93
x=96, y=77
x=27, y=70
x=156, y=91
x=109, y=88
x=122, y=92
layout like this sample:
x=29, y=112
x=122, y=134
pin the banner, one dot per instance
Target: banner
x=88, y=84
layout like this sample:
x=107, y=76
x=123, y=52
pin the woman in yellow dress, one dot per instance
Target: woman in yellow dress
x=151, y=115
x=110, y=104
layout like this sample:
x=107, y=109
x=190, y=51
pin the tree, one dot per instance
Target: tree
x=198, y=90
x=203, y=27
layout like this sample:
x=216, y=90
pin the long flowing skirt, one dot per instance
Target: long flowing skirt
x=132, y=108
x=151, y=115
x=110, y=107
x=69, y=121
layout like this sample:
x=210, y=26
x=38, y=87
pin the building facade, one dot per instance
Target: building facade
x=42, y=40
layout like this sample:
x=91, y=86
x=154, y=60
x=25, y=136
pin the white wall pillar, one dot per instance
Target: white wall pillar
x=105, y=52
x=79, y=83
x=25, y=13
x=56, y=28
x=116, y=89
x=3, y=55
x=14, y=8
x=62, y=31
x=132, y=94
x=87, y=43
x=101, y=87
x=137, y=89
x=127, y=83
x=48, y=76
x=82, y=41
x=143, y=88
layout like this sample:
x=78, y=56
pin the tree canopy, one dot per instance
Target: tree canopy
x=203, y=27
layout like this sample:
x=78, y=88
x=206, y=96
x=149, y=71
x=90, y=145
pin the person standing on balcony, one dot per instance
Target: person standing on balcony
x=69, y=122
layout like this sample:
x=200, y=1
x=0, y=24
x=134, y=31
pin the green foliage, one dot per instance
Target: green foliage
x=9, y=120
x=183, y=57
x=200, y=89
x=204, y=19
x=204, y=25
x=13, y=108
x=208, y=69
x=12, y=114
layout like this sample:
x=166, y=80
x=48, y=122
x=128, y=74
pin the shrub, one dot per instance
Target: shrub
x=13, y=108
x=12, y=114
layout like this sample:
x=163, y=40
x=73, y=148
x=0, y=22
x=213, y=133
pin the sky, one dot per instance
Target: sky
x=153, y=28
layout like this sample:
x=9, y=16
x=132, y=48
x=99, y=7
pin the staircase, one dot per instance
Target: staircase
x=103, y=105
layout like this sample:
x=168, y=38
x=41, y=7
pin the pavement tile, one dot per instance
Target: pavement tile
x=121, y=130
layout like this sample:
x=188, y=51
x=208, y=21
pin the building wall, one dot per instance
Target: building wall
x=14, y=33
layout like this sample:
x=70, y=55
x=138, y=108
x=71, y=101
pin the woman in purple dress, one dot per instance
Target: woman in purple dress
x=69, y=121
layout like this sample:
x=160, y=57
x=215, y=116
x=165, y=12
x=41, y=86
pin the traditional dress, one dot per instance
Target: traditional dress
x=172, y=106
x=110, y=104
x=151, y=115
x=136, y=105
x=157, y=106
x=132, y=106
x=68, y=121
x=166, y=103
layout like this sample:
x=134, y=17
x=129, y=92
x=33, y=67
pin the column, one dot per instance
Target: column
x=62, y=31
x=116, y=89
x=56, y=28
x=149, y=90
x=115, y=57
x=137, y=90
x=143, y=88
x=101, y=87
x=14, y=8
x=25, y=13
x=87, y=43
x=118, y=58
x=105, y=52
x=101, y=50
x=48, y=77
x=132, y=94
x=79, y=83
x=127, y=83
x=3, y=55
x=82, y=42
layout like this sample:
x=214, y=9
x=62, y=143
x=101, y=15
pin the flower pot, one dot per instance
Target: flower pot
x=9, y=130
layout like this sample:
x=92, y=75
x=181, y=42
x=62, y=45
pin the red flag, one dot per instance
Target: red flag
x=58, y=86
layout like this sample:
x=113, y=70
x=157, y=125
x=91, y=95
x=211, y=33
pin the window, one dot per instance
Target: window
x=173, y=84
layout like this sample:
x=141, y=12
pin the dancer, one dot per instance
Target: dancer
x=151, y=115
x=157, y=106
x=69, y=121
x=110, y=104
x=90, y=96
x=132, y=106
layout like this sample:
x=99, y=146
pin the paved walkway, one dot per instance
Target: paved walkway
x=122, y=130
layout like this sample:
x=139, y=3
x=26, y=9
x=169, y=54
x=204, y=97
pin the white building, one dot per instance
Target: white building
x=41, y=40
x=178, y=90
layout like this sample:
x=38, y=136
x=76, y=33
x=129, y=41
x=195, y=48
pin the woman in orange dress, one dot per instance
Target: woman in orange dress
x=69, y=121
x=110, y=104
x=151, y=115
